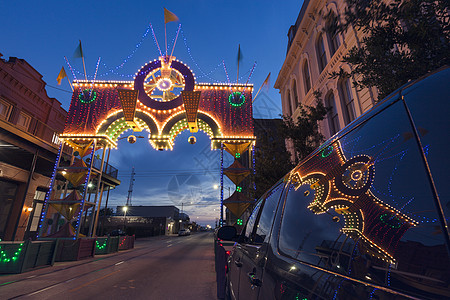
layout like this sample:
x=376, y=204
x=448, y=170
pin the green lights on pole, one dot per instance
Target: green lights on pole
x=239, y=221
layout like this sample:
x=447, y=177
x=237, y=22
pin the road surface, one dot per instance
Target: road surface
x=158, y=268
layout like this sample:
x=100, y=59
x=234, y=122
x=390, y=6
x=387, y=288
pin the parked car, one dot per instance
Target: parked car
x=183, y=232
x=362, y=217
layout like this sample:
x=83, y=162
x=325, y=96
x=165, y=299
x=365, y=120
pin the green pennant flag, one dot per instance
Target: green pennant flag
x=239, y=55
x=78, y=52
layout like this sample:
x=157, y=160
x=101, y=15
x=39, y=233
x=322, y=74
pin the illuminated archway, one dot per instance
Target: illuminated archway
x=164, y=100
x=115, y=125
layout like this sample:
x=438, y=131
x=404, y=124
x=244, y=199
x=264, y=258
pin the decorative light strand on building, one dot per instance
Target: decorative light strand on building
x=129, y=56
x=103, y=246
x=49, y=191
x=4, y=258
x=193, y=60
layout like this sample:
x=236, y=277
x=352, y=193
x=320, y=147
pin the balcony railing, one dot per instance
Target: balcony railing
x=107, y=168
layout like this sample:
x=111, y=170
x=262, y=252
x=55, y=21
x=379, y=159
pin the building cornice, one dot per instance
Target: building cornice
x=305, y=27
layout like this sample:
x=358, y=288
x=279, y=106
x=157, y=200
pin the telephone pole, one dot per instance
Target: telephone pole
x=130, y=190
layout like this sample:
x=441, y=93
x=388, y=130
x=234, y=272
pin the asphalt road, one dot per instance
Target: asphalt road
x=158, y=268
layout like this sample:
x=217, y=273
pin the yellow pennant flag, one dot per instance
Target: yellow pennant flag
x=169, y=16
x=62, y=74
x=266, y=82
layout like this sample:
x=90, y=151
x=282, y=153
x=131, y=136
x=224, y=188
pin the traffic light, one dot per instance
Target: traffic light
x=239, y=221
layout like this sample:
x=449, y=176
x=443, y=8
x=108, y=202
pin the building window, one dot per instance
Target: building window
x=7, y=195
x=39, y=198
x=307, y=78
x=23, y=122
x=5, y=110
x=294, y=93
x=334, y=43
x=55, y=139
x=348, y=105
x=332, y=32
x=321, y=54
x=288, y=104
x=333, y=119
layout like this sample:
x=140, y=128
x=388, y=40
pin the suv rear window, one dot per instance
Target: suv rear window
x=362, y=206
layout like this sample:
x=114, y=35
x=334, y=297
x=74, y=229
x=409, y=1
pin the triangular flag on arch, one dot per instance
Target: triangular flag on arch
x=237, y=203
x=169, y=16
x=62, y=74
x=234, y=148
x=236, y=172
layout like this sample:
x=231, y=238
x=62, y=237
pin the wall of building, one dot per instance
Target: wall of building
x=30, y=122
x=313, y=53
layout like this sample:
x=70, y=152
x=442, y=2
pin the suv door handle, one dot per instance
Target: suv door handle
x=253, y=279
x=238, y=263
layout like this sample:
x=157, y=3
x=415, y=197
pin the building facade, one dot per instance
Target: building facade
x=153, y=220
x=314, y=51
x=30, y=123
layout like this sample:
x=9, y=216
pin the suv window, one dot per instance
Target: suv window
x=362, y=206
x=251, y=221
x=267, y=214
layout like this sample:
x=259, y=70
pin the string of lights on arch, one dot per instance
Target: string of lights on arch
x=115, y=70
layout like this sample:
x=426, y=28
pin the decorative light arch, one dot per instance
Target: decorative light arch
x=115, y=124
x=163, y=99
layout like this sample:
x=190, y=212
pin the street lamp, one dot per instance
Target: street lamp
x=216, y=187
x=125, y=209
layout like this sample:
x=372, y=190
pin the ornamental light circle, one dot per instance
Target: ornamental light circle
x=236, y=99
x=160, y=85
x=87, y=96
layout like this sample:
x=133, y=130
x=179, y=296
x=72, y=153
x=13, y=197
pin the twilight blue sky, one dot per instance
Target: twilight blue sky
x=43, y=32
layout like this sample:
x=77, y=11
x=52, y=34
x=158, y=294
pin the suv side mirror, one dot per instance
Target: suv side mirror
x=227, y=233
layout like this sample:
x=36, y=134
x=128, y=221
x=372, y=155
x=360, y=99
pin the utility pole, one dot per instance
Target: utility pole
x=130, y=190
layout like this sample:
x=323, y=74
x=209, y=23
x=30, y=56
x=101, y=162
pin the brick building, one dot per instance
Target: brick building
x=30, y=122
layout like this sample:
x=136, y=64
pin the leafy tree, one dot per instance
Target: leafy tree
x=272, y=161
x=403, y=40
x=304, y=132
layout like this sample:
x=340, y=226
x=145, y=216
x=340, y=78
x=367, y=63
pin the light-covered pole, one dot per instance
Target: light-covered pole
x=125, y=209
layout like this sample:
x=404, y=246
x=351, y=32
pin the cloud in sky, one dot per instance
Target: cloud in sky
x=186, y=175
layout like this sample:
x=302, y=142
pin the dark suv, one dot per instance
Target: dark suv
x=364, y=216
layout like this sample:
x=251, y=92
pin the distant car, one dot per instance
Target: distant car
x=183, y=232
x=362, y=217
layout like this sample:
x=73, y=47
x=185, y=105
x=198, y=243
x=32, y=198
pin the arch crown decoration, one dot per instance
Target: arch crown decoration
x=163, y=92
x=164, y=100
